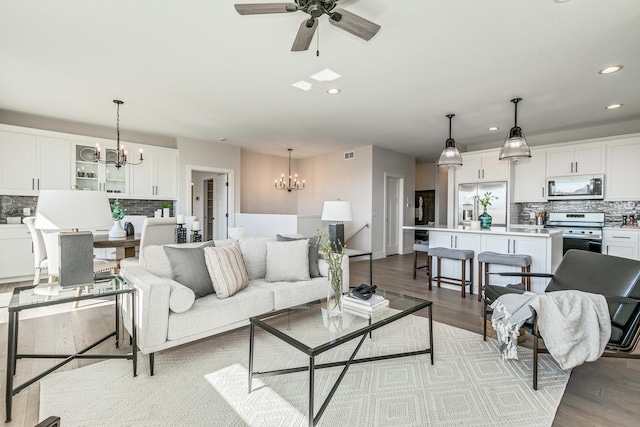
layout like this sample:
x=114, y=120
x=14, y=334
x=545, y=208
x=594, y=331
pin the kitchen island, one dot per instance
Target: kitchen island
x=544, y=245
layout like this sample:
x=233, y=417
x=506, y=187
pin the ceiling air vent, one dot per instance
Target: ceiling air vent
x=349, y=155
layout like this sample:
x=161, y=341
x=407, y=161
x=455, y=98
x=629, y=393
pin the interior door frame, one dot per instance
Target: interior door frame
x=400, y=213
x=231, y=219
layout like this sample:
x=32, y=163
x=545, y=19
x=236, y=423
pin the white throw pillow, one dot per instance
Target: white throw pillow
x=227, y=270
x=287, y=261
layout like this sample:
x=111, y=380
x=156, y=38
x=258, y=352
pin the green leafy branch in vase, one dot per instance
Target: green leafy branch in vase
x=486, y=199
x=334, y=261
x=117, y=212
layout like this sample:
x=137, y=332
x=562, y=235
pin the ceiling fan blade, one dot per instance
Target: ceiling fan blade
x=260, y=8
x=305, y=35
x=354, y=24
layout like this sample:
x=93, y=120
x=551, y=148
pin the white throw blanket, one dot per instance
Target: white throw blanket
x=575, y=325
x=510, y=311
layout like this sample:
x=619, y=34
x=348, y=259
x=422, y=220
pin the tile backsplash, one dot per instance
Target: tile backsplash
x=133, y=206
x=613, y=211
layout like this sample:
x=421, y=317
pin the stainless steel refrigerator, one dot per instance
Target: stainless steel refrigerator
x=468, y=208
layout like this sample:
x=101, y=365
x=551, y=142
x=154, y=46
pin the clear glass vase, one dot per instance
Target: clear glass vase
x=334, y=293
x=485, y=220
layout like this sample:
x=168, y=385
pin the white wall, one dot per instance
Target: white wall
x=258, y=195
x=390, y=162
x=331, y=177
x=207, y=155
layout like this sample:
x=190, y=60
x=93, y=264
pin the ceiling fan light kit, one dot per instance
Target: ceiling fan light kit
x=340, y=18
x=515, y=145
x=450, y=156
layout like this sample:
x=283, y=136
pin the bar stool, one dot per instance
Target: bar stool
x=420, y=247
x=486, y=258
x=462, y=255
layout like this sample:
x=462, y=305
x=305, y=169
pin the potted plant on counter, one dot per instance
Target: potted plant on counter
x=485, y=218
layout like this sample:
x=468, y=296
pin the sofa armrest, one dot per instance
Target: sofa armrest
x=152, y=306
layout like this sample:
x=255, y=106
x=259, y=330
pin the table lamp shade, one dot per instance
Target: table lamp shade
x=72, y=209
x=337, y=210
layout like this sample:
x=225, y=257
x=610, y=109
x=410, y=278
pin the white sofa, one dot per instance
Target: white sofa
x=162, y=321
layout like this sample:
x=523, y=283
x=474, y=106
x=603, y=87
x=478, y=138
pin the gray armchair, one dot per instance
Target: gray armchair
x=618, y=279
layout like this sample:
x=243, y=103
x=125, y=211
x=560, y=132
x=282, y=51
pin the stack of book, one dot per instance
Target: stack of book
x=364, y=306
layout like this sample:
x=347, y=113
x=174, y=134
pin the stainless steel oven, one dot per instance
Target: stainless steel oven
x=580, y=230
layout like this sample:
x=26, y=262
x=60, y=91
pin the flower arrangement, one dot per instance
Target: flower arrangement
x=486, y=199
x=117, y=213
x=334, y=261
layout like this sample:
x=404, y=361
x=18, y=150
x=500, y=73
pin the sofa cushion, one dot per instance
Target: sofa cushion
x=254, y=253
x=291, y=294
x=211, y=312
x=227, y=270
x=314, y=270
x=189, y=269
x=287, y=261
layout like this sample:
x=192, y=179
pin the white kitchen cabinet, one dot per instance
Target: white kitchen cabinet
x=16, y=254
x=529, y=178
x=30, y=163
x=532, y=246
x=622, y=177
x=485, y=166
x=621, y=243
x=578, y=159
x=157, y=176
x=94, y=176
x=453, y=240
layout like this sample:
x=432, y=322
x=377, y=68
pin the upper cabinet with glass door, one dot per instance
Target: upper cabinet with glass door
x=96, y=176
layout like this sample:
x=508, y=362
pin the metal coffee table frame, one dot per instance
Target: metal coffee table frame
x=12, y=339
x=312, y=352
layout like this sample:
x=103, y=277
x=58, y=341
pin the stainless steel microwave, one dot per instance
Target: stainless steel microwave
x=576, y=187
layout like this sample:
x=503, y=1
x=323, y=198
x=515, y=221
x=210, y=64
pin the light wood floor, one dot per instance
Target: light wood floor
x=602, y=393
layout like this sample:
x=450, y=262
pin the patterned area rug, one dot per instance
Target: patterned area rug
x=205, y=384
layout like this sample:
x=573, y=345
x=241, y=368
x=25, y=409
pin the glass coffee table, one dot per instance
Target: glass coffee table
x=329, y=333
x=29, y=297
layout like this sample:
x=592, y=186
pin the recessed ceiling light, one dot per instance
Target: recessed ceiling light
x=492, y=128
x=333, y=91
x=222, y=139
x=326, y=75
x=561, y=1
x=302, y=85
x=613, y=106
x=611, y=70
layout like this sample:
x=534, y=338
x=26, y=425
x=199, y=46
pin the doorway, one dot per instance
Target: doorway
x=393, y=196
x=216, y=217
x=212, y=200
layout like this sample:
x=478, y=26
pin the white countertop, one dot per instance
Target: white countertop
x=512, y=230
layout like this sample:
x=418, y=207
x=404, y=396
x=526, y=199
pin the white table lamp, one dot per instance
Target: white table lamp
x=338, y=211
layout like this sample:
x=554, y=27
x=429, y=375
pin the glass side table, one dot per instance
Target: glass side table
x=27, y=297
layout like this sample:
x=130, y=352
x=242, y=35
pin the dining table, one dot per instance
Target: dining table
x=125, y=246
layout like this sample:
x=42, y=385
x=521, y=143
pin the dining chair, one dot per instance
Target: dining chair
x=155, y=231
x=39, y=251
x=53, y=257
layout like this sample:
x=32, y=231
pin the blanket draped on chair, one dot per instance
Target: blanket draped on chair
x=510, y=311
x=575, y=325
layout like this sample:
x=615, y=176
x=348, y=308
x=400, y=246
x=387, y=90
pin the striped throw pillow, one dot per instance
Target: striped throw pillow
x=227, y=269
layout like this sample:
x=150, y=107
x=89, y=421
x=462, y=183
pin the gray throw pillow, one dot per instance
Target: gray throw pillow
x=189, y=268
x=314, y=270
